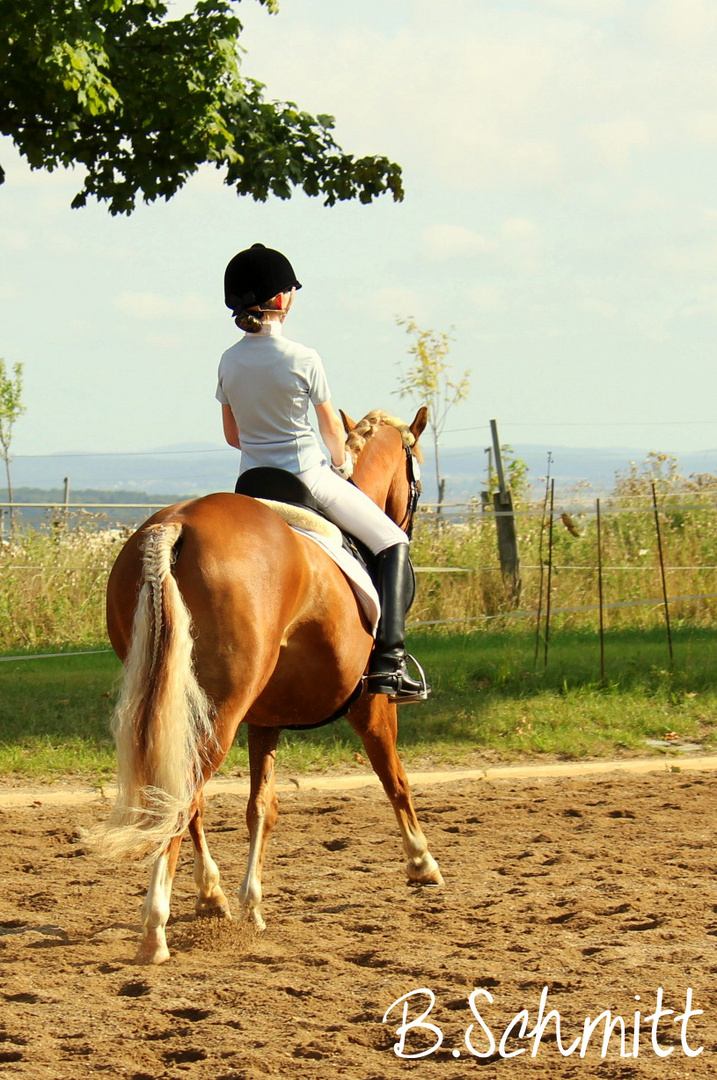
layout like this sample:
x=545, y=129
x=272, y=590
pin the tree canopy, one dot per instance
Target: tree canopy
x=141, y=99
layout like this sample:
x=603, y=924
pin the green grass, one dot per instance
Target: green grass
x=489, y=703
x=496, y=702
x=54, y=716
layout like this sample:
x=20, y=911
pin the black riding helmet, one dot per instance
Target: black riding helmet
x=255, y=276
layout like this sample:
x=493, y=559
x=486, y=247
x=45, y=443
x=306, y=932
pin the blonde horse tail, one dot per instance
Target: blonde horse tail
x=162, y=722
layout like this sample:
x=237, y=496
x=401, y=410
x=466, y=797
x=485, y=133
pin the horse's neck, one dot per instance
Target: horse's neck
x=375, y=487
x=377, y=469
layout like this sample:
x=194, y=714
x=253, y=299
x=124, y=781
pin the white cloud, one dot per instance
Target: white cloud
x=388, y=303
x=453, y=97
x=521, y=245
x=165, y=341
x=701, y=127
x=689, y=260
x=603, y=9
x=507, y=97
x=520, y=229
x=489, y=299
x=683, y=22
x=447, y=241
x=14, y=239
x=593, y=306
x=194, y=308
x=704, y=304
x=145, y=305
x=517, y=244
x=614, y=141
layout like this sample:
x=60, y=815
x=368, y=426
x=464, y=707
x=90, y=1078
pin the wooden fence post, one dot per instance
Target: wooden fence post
x=665, y=601
x=549, y=589
x=505, y=523
x=601, y=604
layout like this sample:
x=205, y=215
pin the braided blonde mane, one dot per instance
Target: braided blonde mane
x=370, y=424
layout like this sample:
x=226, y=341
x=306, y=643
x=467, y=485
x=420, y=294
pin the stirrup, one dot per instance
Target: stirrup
x=408, y=697
x=397, y=696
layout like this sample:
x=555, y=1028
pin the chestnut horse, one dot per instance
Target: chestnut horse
x=222, y=614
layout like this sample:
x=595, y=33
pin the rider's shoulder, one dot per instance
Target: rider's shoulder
x=298, y=350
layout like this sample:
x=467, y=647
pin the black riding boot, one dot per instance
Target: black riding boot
x=387, y=667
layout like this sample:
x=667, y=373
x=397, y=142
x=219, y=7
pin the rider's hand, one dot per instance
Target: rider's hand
x=346, y=469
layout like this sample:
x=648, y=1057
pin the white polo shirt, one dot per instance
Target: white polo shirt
x=269, y=383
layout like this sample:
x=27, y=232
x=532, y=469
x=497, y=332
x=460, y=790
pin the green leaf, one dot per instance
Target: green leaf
x=141, y=99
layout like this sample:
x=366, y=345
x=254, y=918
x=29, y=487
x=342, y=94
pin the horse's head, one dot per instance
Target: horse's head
x=384, y=451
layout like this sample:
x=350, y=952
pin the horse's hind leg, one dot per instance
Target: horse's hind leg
x=211, y=900
x=261, y=813
x=374, y=718
x=155, y=909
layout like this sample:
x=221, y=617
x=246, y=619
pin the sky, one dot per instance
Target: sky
x=560, y=221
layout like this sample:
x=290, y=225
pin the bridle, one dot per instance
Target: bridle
x=414, y=490
x=413, y=474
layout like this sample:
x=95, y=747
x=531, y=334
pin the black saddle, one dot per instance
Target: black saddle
x=266, y=482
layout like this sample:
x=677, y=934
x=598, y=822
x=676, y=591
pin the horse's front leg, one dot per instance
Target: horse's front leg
x=211, y=900
x=261, y=813
x=155, y=909
x=374, y=718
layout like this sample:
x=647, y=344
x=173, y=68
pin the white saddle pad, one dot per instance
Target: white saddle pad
x=328, y=537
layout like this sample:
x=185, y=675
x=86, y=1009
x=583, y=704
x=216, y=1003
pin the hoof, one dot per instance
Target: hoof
x=432, y=881
x=151, y=954
x=424, y=872
x=213, y=907
x=253, y=917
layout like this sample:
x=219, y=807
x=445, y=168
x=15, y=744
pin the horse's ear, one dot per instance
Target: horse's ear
x=349, y=424
x=419, y=422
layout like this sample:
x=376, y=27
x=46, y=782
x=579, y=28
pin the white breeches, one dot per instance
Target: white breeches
x=351, y=510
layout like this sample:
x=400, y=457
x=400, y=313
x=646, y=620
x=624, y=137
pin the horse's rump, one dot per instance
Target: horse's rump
x=221, y=614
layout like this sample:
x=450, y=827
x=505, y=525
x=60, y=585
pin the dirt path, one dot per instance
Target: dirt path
x=68, y=794
x=598, y=887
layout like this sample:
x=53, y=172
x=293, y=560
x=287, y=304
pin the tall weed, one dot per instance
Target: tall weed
x=629, y=557
x=52, y=583
x=52, y=580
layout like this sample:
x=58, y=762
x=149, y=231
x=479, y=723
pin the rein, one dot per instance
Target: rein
x=414, y=482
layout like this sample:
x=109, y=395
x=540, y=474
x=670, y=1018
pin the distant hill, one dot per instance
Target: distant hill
x=163, y=476
x=51, y=503
x=95, y=495
x=189, y=470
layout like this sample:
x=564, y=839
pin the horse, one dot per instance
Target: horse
x=222, y=614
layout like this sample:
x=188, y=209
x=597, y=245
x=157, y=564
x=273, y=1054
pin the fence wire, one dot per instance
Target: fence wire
x=478, y=517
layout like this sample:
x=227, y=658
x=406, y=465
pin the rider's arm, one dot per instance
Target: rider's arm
x=332, y=432
x=231, y=430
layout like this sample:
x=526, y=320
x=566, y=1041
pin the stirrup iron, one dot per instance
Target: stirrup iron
x=420, y=695
x=395, y=678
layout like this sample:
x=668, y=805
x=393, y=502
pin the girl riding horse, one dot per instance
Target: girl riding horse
x=265, y=385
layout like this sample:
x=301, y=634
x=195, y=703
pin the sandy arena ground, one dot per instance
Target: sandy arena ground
x=600, y=888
